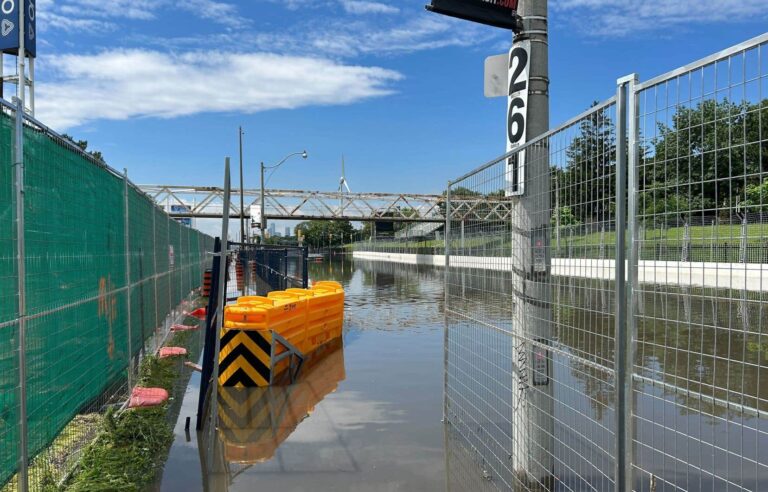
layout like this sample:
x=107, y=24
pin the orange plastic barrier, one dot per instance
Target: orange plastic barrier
x=305, y=318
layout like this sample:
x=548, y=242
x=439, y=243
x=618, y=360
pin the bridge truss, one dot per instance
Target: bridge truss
x=208, y=202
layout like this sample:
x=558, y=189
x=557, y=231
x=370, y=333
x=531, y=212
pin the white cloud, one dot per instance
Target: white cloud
x=220, y=12
x=69, y=14
x=129, y=9
x=121, y=84
x=624, y=17
x=419, y=33
x=75, y=24
x=365, y=7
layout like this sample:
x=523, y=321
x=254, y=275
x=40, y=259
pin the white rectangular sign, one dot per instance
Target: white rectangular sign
x=255, y=216
x=496, y=75
x=517, y=114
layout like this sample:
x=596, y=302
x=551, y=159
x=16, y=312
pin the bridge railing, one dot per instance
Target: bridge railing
x=608, y=334
x=92, y=273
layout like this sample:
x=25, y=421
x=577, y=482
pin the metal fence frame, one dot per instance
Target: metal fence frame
x=624, y=269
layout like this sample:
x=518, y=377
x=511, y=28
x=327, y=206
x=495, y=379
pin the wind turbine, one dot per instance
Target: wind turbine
x=342, y=185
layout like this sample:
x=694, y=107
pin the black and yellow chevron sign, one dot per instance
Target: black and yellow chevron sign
x=244, y=359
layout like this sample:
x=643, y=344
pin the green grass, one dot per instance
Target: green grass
x=132, y=445
x=700, y=235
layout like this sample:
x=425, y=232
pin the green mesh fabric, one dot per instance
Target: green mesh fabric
x=9, y=370
x=77, y=290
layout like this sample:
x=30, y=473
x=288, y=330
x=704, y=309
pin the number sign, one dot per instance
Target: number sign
x=517, y=114
x=9, y=26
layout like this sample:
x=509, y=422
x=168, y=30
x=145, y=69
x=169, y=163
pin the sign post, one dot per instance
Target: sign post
x=18, y=37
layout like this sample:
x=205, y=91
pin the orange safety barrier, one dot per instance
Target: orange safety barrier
x=305, y=318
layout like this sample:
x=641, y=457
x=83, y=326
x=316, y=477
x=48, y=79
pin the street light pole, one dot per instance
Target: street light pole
x=262, y=224
x=243, y=237
x=263, y=218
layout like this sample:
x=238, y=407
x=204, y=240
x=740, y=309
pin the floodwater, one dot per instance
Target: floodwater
x=367, y=416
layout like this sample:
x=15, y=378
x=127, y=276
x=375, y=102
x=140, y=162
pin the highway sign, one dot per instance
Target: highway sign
x=9, y=26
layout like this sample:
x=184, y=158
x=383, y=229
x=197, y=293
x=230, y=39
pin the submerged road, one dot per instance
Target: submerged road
x=737, y=276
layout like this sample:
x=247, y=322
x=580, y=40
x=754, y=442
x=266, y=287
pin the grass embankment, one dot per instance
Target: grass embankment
x=132, y=445
x=699, y=236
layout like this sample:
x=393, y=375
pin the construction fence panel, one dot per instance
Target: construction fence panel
x=94, y=244
x=562, y=373
x=9, y=303
x=77, y=348
x=700, y=397
x=529, y=353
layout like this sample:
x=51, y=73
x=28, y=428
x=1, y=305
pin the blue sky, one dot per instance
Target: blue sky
x=160, y=86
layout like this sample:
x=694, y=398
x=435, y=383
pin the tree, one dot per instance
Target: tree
x=588, y=183
x=708, y=157
x=318, y=233
x=83, y=145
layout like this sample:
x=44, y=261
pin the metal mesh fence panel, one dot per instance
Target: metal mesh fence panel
x=9, y=370
x=261, y=269
x=701, y=240
x=533, y=287
x=529, y=338
x=95, y=244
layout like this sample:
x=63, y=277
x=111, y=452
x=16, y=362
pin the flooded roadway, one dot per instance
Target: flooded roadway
x=367, y=416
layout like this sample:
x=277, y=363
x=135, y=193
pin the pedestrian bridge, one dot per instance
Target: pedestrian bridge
x=208, y=202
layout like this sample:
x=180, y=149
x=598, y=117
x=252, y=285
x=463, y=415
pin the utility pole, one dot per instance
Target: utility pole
x=533, y=416
x=243, y=237
x=262, y=221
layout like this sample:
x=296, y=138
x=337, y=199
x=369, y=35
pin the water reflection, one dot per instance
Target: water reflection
x=699, y=394
x=254, y=422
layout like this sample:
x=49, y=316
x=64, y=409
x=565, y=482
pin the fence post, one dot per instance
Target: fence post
x=743, y=241
x=22, y=300
x=222, y=294
x=154, y=261
x=626, y=155
x=446, y=287
x=170, y=266
x=126, y=227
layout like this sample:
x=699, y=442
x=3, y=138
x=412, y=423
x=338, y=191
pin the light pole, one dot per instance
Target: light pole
x=263, y=218
x=243, y=237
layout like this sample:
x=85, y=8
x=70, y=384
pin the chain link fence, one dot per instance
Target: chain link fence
x=93, y=274
x=604, y=331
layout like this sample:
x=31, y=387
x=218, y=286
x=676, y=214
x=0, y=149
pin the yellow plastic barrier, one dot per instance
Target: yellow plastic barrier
x=251, y=354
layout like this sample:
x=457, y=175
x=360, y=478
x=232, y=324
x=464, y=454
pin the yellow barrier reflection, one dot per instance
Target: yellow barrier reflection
x=253, y=422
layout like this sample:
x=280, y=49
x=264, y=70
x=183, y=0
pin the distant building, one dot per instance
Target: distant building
x=272, y=229
x=287, y=232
